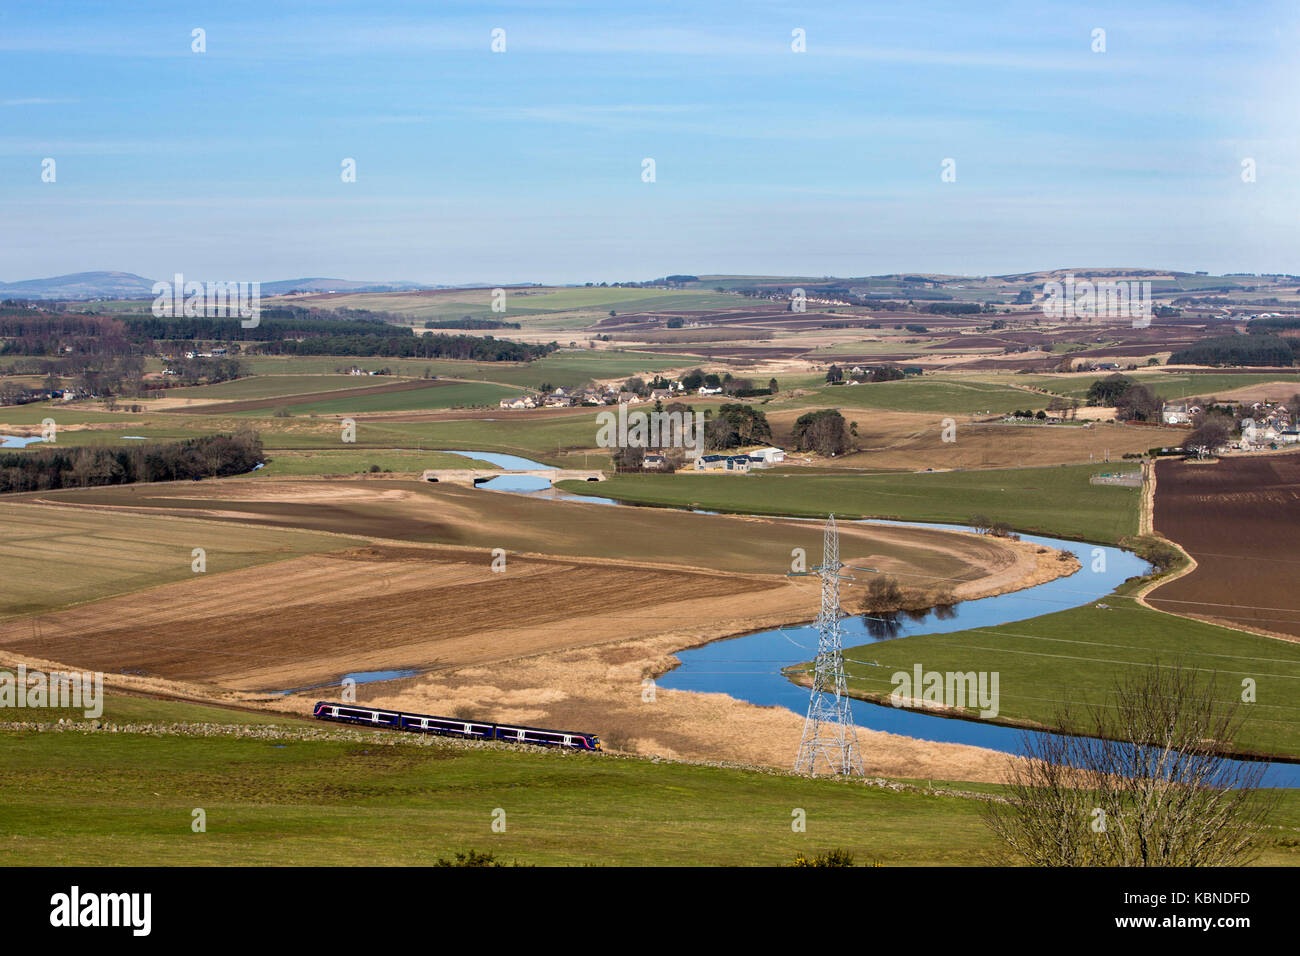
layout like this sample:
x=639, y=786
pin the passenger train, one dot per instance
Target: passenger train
x=453, y=727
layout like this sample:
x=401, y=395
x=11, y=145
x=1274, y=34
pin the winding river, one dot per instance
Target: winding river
x=749, y=667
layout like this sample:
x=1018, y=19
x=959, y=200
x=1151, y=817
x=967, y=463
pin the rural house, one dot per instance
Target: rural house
x=1175, y=413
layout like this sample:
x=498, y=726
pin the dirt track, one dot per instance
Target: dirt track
x=1239, y=518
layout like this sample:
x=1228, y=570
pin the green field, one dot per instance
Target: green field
x=532, y=437
x=1082, y=652
x=273, y=386
x=926, y=395
x=1053, y=501
x=452, y=395
x=128, y=799
x=35, y=412
x=561, y=369
x=51, y=558
x=1168, y=385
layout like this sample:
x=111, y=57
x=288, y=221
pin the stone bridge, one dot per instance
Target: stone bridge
x=472, y=476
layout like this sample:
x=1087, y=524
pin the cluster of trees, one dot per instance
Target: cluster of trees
x=469, y=322
x=1133, y=402
x=954, y=308
x=202, y=370
x=1210, y=431
x=211, y=456
x=1138, y=403
x=698, y=377
x=1155, y=551
x=27, y=332
x=886, y=373
x=480, y=349
x=273, y=324
x=1062, y=408
x=121, y=376
x=14, y=394
x=739, y=387
x=880, y=373
x=1273, y=325
x=280, y=331
x=110, y=376
x=823, y=431
x=1106, y=391
x=1260, y=349
x=985, y=525
x=735, y=426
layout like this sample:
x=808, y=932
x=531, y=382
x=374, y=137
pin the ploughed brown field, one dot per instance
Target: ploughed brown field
x=309, y=620
x=1240, y=519
x=423, y=595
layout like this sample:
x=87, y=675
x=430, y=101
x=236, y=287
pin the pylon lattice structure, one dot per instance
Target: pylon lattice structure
x=829, y=736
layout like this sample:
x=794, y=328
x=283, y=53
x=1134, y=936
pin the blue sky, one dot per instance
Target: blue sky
x=474, y=166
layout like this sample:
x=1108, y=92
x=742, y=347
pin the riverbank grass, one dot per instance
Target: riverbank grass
x=1079, y=654
x=1059, y=502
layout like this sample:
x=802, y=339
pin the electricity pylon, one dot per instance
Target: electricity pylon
x=828, y=732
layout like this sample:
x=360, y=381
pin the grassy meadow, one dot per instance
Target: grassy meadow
x=1054, y=501
x=117, y=799
x=927, y=395
x=1080, y=653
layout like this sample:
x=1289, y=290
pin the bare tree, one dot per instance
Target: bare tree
x=1149, y=785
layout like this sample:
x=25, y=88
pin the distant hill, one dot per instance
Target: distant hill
x=285, y=286
x=127, y=285
x=81, y=285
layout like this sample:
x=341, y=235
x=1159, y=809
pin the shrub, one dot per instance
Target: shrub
x=832, y=857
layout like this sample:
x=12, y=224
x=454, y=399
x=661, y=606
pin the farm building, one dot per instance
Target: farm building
x=735, y=463
x=1173, y=413
x=768, y=456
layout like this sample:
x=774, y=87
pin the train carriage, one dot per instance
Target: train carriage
x=453, y=727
